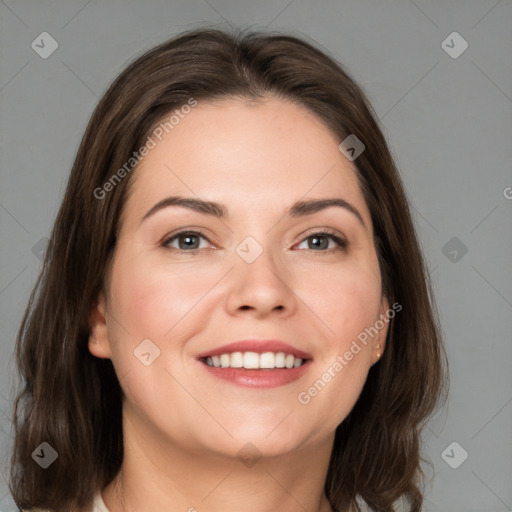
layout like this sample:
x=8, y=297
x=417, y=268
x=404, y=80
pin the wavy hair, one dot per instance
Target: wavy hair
x=72, y=400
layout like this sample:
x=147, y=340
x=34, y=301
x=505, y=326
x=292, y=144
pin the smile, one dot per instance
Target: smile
x=254, y=361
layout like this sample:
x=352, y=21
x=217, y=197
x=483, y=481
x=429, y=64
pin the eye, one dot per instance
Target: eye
x=320, y=240
x=190, y=240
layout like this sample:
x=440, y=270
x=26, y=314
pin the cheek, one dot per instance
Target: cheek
x=151, y=301
x=346, y=302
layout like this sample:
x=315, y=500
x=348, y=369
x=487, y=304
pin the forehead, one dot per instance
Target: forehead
x=248, y=155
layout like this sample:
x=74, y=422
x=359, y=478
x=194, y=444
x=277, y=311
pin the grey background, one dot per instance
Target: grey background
x=449, y=125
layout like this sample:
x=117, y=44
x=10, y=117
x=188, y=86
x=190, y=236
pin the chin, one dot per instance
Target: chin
x=265, y=440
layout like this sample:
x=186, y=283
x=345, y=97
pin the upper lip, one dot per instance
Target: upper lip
x=258, y=346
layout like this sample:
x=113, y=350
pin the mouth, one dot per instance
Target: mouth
x=257, y=363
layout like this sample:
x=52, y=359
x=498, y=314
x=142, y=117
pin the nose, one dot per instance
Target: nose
x=261, y=287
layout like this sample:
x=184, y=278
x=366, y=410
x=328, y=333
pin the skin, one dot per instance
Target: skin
x=183, y=428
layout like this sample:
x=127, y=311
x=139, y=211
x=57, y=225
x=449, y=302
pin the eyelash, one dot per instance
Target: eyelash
x=343, y=244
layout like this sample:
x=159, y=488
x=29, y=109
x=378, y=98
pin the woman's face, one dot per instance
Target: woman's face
x=257, y=273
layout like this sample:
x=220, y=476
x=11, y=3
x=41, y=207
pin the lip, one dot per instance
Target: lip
x=258, y=346
x=268, y=378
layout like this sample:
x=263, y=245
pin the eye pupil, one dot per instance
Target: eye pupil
x=188, y=238
x=317, y=238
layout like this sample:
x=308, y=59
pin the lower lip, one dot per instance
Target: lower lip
x=259, y=378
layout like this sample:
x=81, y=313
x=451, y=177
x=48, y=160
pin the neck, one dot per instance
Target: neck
x=156, y=474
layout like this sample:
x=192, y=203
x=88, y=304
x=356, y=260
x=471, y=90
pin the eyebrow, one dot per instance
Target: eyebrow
x=298, y=209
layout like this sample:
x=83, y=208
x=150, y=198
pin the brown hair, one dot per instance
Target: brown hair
x=72, y=400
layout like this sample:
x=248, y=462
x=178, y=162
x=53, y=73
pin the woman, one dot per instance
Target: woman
x=234, y=312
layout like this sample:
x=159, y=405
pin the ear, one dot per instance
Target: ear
x=379, y=341
x=99, y=344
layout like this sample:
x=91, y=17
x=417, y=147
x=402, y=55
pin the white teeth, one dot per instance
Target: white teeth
x=251, y=360
x=254, y=361
x=267, y=360
x=280, y=360
x=237, y=360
